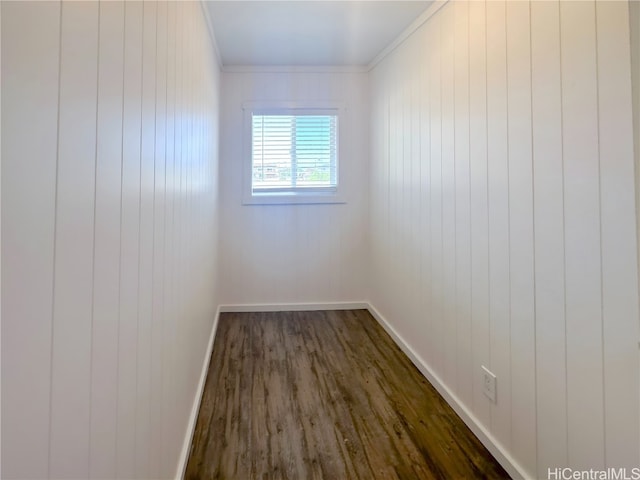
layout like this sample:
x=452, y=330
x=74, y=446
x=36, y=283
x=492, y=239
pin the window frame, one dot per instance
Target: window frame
x=307, y=195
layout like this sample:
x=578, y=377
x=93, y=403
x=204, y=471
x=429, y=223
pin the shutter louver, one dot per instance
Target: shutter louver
x=294, y=153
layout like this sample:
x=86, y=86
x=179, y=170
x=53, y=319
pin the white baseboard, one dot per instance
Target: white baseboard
x=497, y=450
x=512, y=467
x=195, y=409
x=294, y=307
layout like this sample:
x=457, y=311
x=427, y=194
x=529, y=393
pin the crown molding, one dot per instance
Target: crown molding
x=212, y=34
x=407, y=32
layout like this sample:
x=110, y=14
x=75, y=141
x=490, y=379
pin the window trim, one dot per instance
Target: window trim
x=314, y=195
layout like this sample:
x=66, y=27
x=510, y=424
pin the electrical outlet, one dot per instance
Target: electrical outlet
x=489, y=387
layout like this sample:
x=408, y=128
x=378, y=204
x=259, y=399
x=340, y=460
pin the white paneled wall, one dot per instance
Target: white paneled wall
x=294, y=253
x=109, y=234
x=503, y=221
x=490, y=218
x=634, y=22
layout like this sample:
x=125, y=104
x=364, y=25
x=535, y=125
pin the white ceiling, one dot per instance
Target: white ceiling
x=303, y=32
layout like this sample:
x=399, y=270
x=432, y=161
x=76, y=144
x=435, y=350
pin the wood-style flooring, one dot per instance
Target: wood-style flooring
x=324, y=395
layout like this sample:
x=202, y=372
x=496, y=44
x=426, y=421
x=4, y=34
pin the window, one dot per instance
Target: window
x=294, y=155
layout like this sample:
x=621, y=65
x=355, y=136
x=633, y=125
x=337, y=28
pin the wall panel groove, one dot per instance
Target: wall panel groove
x=28, y=229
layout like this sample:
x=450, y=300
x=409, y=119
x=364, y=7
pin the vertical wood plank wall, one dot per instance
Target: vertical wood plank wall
x=634, y=23
x=525, y=204
x=109, y=216
x=500, y=211
x=293, y=253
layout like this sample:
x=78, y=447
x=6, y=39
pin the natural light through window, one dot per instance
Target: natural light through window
x=294, y=152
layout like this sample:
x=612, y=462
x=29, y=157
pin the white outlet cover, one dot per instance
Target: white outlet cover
x=489, y=384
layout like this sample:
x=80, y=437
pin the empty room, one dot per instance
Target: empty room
x=320, y=239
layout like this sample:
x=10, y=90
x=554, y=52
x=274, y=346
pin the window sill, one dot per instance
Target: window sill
x=292, y=199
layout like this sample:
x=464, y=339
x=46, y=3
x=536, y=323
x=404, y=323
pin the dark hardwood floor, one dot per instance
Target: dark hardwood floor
x=324, y=395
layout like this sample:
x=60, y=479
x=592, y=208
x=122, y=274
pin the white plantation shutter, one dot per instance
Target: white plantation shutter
x=294, y=152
